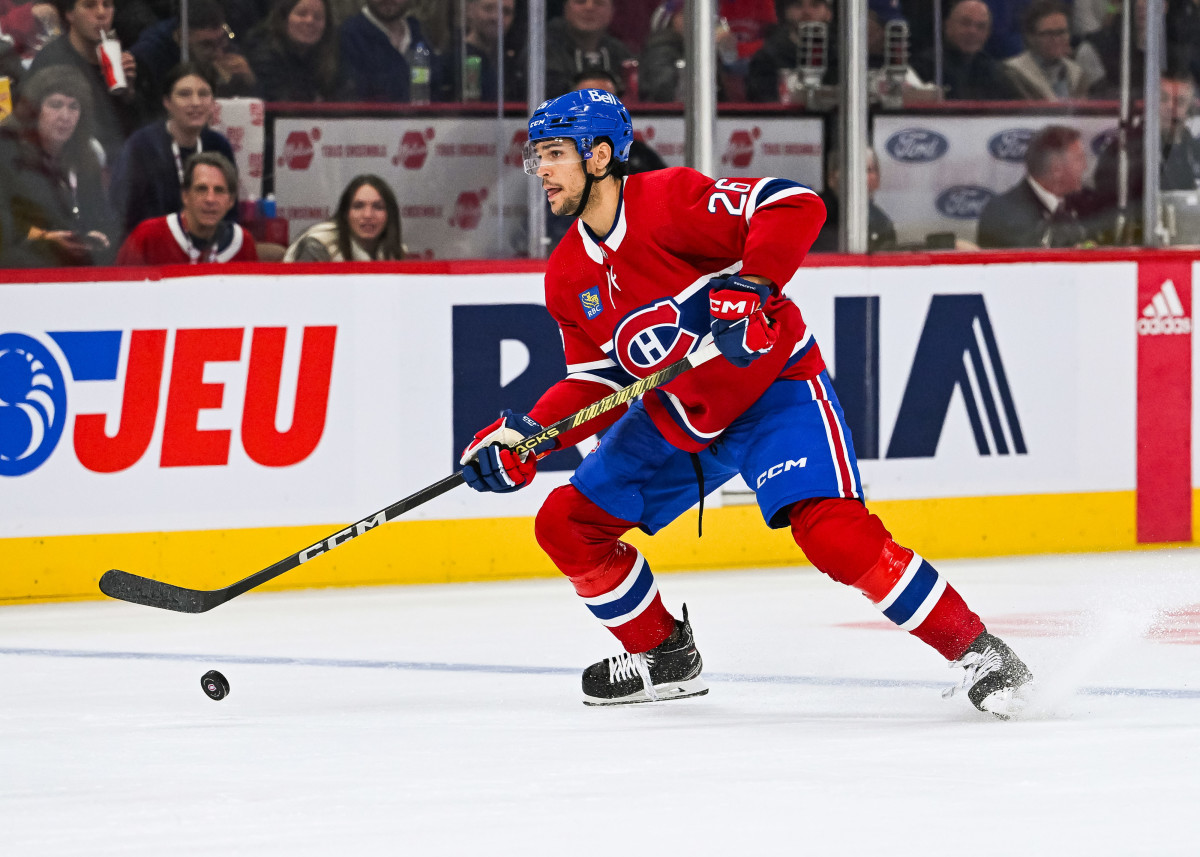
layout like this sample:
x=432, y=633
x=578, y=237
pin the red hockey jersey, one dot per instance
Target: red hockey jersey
x=636, y=300
x=164, y=241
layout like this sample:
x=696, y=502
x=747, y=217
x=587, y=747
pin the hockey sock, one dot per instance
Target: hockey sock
x=910, y=592
x=842, y=539
x=613, y=578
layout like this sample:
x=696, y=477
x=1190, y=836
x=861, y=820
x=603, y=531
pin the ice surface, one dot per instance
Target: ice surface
x=446, y=720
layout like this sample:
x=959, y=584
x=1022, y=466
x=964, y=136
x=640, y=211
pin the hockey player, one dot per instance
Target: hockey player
x=657, y=265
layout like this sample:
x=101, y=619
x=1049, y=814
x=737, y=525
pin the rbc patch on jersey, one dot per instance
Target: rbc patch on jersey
x=591, y=302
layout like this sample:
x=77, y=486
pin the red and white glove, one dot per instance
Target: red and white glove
x=740, y=328
x=490, y=464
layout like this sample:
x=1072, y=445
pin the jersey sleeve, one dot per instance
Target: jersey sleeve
x=769, y=223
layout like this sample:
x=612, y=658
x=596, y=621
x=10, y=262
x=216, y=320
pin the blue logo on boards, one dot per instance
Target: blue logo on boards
x=33, y=390
x=33, y=404
x=964, y=201
x=591, y=302
x=917, y=145
x=1010, y=145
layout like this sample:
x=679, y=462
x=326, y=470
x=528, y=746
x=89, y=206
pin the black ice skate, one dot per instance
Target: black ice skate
x=996, y=680
x=671, y=670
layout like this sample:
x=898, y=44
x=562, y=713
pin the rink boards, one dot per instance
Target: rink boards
x=200, y=428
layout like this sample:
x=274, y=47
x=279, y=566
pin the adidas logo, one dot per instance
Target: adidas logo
x=1164, y=314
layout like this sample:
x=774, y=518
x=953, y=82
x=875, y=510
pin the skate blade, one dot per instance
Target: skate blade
x=666, y=691
x=1007, y=703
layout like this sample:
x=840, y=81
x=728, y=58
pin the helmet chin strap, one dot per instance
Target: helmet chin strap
x=589, y=180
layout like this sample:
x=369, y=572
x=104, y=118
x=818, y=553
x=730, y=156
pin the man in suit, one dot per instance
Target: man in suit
x=1045, y=70
x=1039, y=211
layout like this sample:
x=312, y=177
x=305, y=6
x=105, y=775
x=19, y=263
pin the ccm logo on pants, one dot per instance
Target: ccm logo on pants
x=775, y=469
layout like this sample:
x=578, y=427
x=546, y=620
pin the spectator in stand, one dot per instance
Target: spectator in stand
x=969, y=73
x=1179, y=168
x=1100, y=56
x=1045, y=70
x=199, y=232
x=52, y=206
x=294, y=53
x=1181, y=150
x=881, y=232
x=211, y=44
x=579, y=41
x=661, y=69
x=115, y=115
x=365, y=227
x=1041, y=210
x=377, y=47
x=29, y=24
x=481, y=35
x=781, y=50
x=148, y=179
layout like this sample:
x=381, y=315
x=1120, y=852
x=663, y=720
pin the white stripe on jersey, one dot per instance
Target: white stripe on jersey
x=598, y=379
x=607, y=363
x=803, y=341
x=753, y=204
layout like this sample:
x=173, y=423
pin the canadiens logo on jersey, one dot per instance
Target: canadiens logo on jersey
x=651, y=338
x=591, y=302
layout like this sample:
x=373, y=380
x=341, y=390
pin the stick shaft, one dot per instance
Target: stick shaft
x=136, y=589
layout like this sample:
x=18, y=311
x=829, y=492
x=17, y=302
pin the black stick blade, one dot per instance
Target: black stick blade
x=153, y=593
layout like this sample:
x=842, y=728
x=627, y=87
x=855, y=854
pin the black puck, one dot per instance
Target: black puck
x=215, y=685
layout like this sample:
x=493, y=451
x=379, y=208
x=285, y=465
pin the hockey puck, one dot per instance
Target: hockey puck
x=215, y=685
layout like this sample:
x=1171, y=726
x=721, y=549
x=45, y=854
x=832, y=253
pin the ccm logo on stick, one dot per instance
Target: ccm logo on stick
x=342, y=536
x=775, y=469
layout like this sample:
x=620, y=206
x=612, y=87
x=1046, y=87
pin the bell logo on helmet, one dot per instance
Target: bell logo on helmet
x=584, y=117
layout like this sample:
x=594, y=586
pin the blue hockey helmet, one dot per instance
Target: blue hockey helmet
x=584, y=116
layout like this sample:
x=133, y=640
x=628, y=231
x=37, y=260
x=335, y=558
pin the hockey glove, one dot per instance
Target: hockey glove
x=740, y=328
x=489, y=463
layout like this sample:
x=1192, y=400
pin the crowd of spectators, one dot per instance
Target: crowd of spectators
x=126, y=162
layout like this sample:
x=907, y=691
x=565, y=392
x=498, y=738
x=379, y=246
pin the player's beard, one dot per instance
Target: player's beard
x=568, y=206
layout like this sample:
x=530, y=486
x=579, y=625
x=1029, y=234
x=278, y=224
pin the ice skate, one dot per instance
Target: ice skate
x=671, y=670
x=995, y=679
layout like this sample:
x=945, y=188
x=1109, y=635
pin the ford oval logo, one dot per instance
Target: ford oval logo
x=964, y=201
x=917, y=145
x=1010, y=145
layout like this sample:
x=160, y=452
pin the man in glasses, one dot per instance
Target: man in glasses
x=1045, y=71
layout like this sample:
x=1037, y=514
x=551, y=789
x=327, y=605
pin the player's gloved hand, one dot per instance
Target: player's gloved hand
x=490, y=464
x=740, y=328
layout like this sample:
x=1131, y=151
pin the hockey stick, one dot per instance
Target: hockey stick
x=155, y=593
